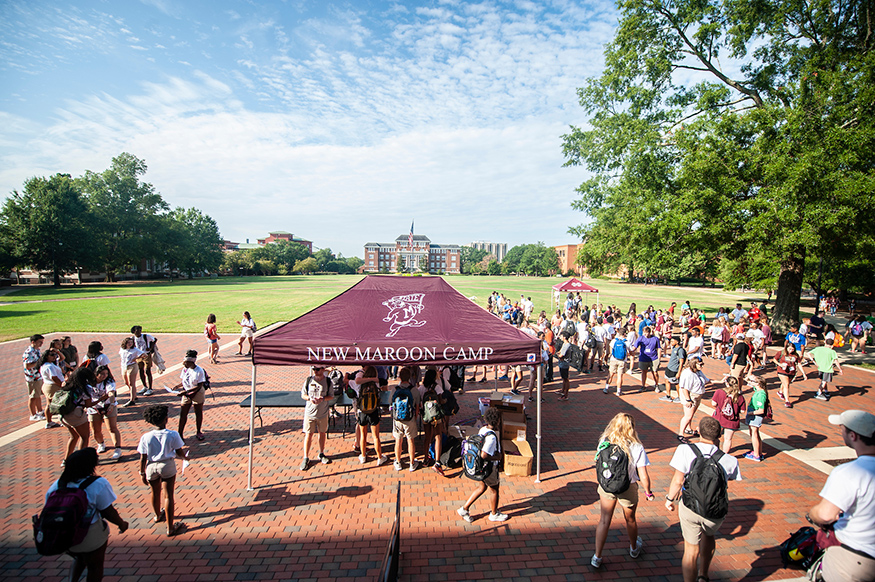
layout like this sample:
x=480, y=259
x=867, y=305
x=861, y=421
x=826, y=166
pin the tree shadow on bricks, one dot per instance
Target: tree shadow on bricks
x=807, y=441
x=741, y=518
x=567, y=498
x=270, y=500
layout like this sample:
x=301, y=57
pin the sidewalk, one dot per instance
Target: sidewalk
x=333, y=521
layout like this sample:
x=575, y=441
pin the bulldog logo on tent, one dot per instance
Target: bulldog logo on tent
x=403, y=310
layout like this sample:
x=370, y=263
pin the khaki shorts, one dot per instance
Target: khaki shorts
x=628, y=498
x=161, y=470
x=617, y=366
x=842, y=564
x=694, y=526
x=75, y=418
x=404, y=429
x=97, y=536
x=197, y=398
x=247, y=332
x=314, y=425
x=598, y=352
x=146, y=360
x=737, y=371
x=34, y=388
x=49, y=389
x=110, y=411
x=645, y=365
x=126, y=371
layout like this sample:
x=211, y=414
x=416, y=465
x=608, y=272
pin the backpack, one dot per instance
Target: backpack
x=369, y=399
x=612, y=468
x=590, y=341
x=800, y=548
x=475, y=466
x=451, y=452
x=457, y=381
x=705, y=486
x=728, y=411
x=64, y=521
x=432, y=411
x=450, y=406
x=335, y=382
x=857, y=328
x=402, y=404
x=64, y=401
x=619, y=351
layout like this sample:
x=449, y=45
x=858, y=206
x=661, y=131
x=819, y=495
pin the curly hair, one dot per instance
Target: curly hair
x=492, y=416
x=156, y=415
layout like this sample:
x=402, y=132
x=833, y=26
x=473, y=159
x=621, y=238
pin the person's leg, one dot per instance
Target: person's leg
x=115, y=433
x=93, y=561
x=72, y=441
x=398, y=447
x=378, y=449
x=566, y=386
x=183, y=418
x=131, y=380
x=363, y=441
x=727, y=440
x=155, y=487
x=141, y=367
x=631, y=525
x=689, y=563
x=97, y=429
x=756, y=441
x=643, y=375
x=607, y=506
x=77, y=568
x=169, y=503
x=411, y=449
x=148, y=377
x=198, y=418
x=480, y=490
x=84, y=432
x=249, y=339
x=493, y=499
x=707, y=545
x=620, y=371
x=308, y=438
x=323, y=437
x=240, y=345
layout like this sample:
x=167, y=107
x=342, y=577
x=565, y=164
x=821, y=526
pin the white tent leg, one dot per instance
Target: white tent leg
x=538, y=431
x=251, y=428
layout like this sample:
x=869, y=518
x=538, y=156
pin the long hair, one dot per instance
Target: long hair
x=732, y=388
x=44, y=358
x=80, y=380
x=621, y=431
x=79, y=465
x=430, y=379
x=94, y=349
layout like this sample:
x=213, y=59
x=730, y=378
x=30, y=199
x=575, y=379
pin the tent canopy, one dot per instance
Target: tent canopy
x=397, y=321
x=575, y=284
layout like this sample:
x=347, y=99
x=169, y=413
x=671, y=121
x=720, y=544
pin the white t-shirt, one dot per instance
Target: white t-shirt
x=191, y=377
x=716, y=332
x=129, y=357
x=101, y=360
x=851, y=488
x=599, y=333
x=610, y=332
x=143, y=342
x=696, y=347
x=684, y=456
x=757, y=336
x=491, y=444
x=693, y=381
x=637, y=458
x=100, y=495
x=160, y=445
x=95, y=393
x=49, y=371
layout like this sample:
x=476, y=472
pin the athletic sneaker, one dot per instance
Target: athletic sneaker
x=753, y=457
x=606, y=388
x=677, y=400
x=41, y=414
x=596, y=562
x=414, y=465
x=497, y=517
x=324, y=458
x=821, y=396
x=503, y=378
x=397, y=466
x=515, y=392
x=636, y=551
x=362, y=459
x=465, y=515
x=305, y=463
x=619, y=392
x=117, y=455
x=148, y=392
x=37, y=417
x=382, y=460
x=101, y=448
x=666, y=398
x=438, y=469
x=52, y=424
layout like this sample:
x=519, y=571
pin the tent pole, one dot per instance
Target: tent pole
x=538, y=432
x=251, y=428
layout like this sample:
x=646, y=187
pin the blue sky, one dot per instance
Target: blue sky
x=339, y=122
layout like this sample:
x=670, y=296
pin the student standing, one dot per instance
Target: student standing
x=128, y=355
x=491, y=453
x=405, y=407
x=32, y=377
x=158, y=450
x=368, y=404
x=91, y=552
x=621, y=432
x=649, y=354
x=757, y=411
x=247, y=331
x=76, y=420
x=315, y=393
x=728, y=404
x=691, y=388
x=212, y=334
x=146, y=344
x=52, y=380
x=677, y=360
x=619, y=351
x=106, y=410
x=193, y=393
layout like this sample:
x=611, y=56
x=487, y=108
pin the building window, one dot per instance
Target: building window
x=371, y=263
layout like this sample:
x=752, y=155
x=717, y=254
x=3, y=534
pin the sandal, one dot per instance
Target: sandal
x=160, y=517
x=178, y=527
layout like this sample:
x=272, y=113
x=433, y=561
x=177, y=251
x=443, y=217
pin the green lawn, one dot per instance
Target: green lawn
x=183, y=306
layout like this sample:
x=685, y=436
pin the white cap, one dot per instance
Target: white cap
x=859, y=421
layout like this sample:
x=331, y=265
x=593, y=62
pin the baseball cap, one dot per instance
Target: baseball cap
x=739, y=336
x=859, y=421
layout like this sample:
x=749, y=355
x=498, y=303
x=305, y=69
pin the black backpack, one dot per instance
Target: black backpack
x=473, y=465
x=800, y=548
x=457, y=377
x=451, y=452
x=335, y=382
x=705, y=490
x=612, y=468
x=450, y=405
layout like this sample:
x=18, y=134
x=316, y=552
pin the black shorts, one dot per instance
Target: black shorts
x=563, y=373
x=669, y=373
x=491, y=480
x=383, y=381
x=372, y=419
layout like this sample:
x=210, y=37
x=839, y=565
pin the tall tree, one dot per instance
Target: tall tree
x=47, y=226
x=737, y=131
x=127, y=223
x=469, y=257
x=194, y=243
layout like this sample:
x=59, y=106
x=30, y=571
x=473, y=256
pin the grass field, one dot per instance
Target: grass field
x=182, y=306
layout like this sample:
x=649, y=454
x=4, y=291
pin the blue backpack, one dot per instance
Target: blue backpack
x=402, y=404
x=619, y=351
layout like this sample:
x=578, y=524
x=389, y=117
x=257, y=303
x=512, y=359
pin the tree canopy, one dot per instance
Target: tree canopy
x=733, y=137
x=530, y=259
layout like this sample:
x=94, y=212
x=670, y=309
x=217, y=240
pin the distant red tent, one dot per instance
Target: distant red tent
x=575, y=284
x=396, y=321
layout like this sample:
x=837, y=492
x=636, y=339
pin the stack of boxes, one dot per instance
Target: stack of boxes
x=518, y=456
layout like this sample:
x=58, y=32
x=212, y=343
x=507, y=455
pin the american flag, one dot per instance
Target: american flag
x=410, y=237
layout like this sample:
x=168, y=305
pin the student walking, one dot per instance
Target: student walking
x=758, y=410
x=158, y=450
x=104, y=411
x=691, y=388
x=827, y=363
x=788, y=364
x=621, y=462
x=212, y=334
x=90, y=553
x=491, y=454
x=192, y=383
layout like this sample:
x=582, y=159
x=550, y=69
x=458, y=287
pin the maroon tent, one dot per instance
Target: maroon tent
x=395, y=321
x=573, y=284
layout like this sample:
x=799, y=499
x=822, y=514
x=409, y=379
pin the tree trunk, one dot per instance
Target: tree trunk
x=787, y=298
x=57, y=277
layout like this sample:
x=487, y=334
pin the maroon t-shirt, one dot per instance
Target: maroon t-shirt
x=727, y=412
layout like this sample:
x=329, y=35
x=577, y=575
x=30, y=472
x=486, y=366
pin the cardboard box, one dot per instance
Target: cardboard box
x=507, y=402
x=513, y=426
x=518, y=458
x=459, y=432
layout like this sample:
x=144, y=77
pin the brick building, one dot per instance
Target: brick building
x=400, y=256
x=568, y=259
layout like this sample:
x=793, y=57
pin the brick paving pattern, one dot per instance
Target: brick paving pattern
x=333, y=521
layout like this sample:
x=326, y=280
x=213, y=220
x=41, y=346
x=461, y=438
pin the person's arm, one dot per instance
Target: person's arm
x=644, y=476
x=194, y=390
x=824, y=514
x=181, y=453
x=674, y=490
x=111, y=515
x=143, y=460
x=838, y=367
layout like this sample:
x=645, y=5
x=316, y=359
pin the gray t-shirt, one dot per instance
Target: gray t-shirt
x=674, y=360
x=319, y=398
